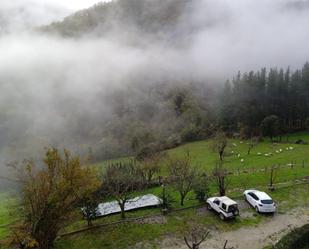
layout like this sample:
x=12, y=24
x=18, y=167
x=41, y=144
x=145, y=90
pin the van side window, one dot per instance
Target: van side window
x=223, y=206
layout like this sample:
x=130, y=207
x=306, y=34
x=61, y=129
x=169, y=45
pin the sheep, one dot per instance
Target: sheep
x=242, y=160
x=238, y=155
x=235, y=145
x=291, y=148
x=266, y=155
x=259, y=153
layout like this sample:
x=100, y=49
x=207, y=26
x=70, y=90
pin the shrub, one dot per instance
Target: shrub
x=298, y=238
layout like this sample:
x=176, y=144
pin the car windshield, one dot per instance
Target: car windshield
x=267, y=201
x=232, y=208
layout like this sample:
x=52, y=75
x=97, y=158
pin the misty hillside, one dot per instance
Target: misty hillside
x=166, y=19
x=127, y=75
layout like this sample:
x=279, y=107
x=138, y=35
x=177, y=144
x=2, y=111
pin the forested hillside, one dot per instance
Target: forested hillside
x=128, y=75
x=163, y=19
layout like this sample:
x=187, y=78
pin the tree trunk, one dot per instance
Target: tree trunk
x=182, y=200
x=122, y=204
x=89, y=222
x=45, y=234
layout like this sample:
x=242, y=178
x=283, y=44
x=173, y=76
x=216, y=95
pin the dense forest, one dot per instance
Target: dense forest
x=133, y=79
x=164, y=118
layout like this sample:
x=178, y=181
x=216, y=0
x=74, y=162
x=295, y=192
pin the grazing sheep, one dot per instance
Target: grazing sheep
x=259, y=153
x=277, y=151
x=266, y=155
x=291, y=148
x=241, y=142
x=242, y=160
x=234, y=144
x=232, y=152
x=280, y=150
x=238, y=155
x=287, y=148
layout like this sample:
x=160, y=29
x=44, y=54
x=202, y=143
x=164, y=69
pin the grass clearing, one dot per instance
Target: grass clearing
x=128, y=234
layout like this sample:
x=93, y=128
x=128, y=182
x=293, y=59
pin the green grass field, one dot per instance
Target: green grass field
x=7, y=207
x=124, y=235
x=175, y=224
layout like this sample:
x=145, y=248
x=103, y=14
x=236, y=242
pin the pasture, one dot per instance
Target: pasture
x=247, y=171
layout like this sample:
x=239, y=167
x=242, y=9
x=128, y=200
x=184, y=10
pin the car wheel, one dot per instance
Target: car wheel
x=208, y=206
x=222, y=217
x=257, y=209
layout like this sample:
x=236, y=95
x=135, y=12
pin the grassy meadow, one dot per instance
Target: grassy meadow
x=176, y=223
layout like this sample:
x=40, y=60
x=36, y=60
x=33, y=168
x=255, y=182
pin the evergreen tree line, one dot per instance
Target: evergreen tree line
x=251, y=97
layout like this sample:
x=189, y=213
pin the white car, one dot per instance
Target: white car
x=224, y=206
x=261, y=201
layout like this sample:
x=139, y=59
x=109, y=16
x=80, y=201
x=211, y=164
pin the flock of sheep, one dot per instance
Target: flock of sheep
x=261, y=154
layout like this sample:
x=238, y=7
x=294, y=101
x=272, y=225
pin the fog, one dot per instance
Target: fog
x=49, y=83
x=18, y=15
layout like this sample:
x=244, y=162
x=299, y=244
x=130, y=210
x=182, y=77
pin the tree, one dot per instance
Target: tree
x=270, y=126
x=149, y=164
x=196, y=237
x=89, y=206
x=183, y=175
x=307, y=123
x=167, y=200
x=220, y=175
x=50, y=194
x=119, y=180
x=251, y=144
x=219, y=144
x=200, y=187
x=272, y=177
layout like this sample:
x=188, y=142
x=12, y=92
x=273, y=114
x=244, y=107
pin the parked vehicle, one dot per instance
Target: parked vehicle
x=261, y=201
x=224, y=206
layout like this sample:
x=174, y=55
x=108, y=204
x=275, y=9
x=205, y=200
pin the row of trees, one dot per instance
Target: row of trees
x=250, y=97
x=52, y=191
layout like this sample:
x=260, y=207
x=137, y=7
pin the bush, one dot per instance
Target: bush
x=298, y=238
x=190, y=133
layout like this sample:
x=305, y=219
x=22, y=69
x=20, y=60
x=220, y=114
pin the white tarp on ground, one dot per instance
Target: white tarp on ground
x=136, y=203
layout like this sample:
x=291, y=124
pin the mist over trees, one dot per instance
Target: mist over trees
x=124, y=76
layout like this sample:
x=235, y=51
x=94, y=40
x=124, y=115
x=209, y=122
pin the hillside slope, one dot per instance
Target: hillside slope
x=136, y=19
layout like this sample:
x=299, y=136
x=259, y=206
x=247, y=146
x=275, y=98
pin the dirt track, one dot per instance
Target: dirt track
x=253, y=237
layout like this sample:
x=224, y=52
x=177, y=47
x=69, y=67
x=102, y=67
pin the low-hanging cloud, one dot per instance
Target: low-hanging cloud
x=48, y=84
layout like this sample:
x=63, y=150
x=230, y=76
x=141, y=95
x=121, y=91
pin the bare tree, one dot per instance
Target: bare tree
x=183, y=175
x=219, y=144
x=251, y=144
x=50, y=193
x=119, y=180
x=272, y=178
x=220, y=175
x=196, y=237
x=148, y=166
